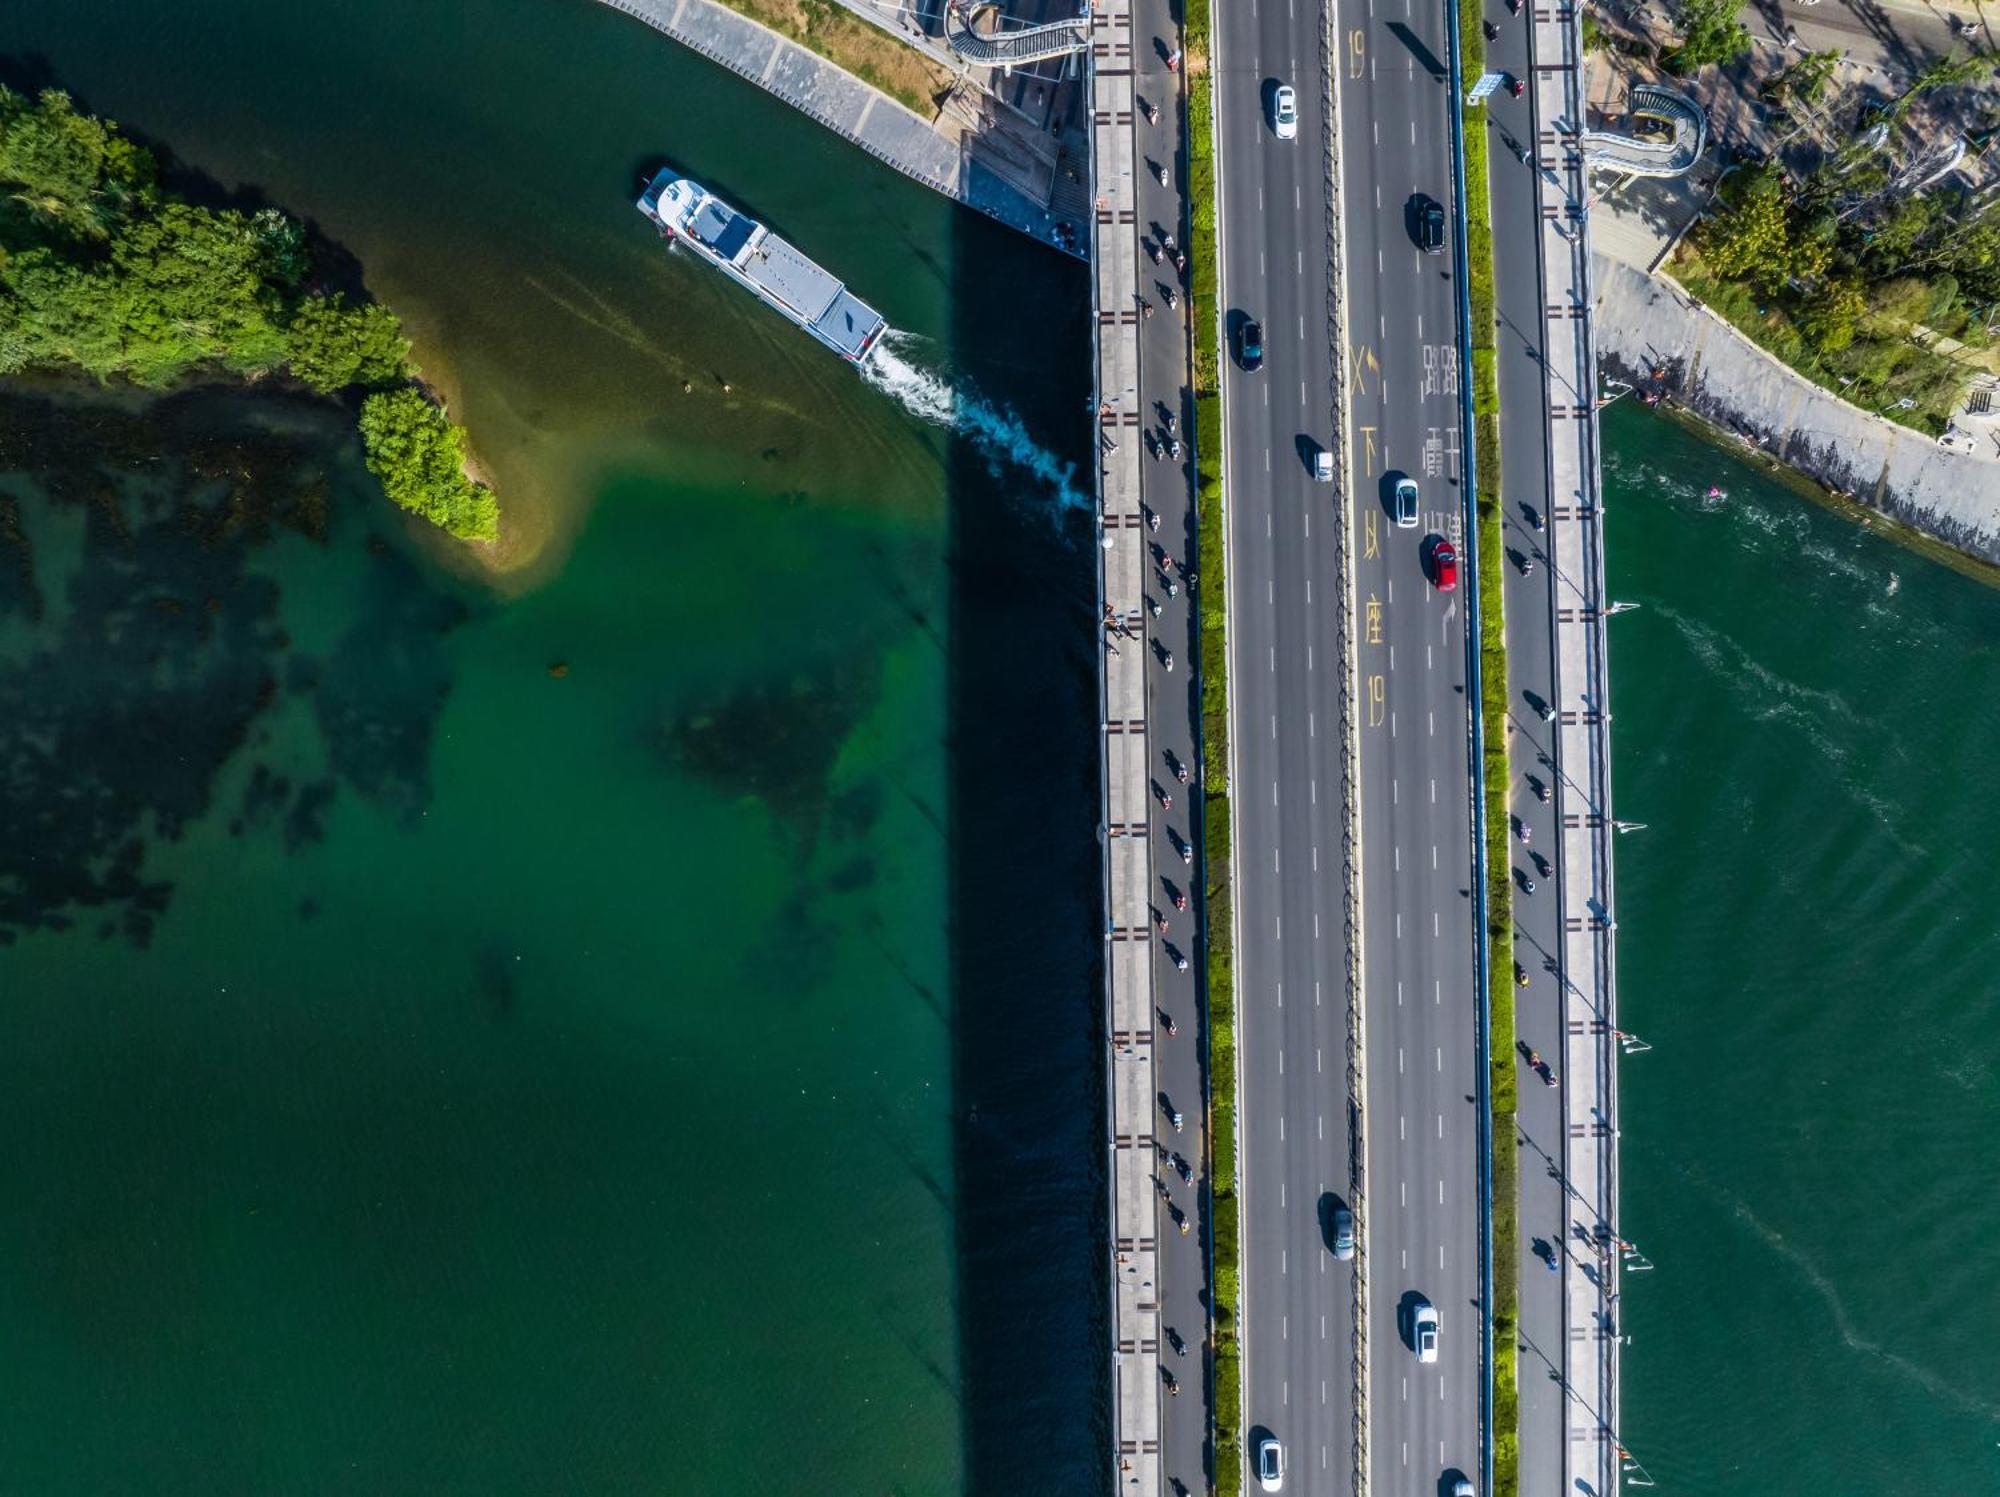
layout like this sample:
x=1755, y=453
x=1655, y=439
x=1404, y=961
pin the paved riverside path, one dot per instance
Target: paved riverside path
x=1556, y=638
x=941, y=153
x=1160, y=1275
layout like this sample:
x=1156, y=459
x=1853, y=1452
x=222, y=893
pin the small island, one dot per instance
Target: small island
x=103, y=270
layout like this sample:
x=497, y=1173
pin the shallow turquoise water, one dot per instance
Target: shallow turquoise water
x=516, y=1089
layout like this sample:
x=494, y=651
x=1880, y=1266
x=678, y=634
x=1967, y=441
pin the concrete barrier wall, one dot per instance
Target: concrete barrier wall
x=1645, y=322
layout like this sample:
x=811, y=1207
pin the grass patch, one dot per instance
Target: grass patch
x=1493, y=752
x=1218, y=906
x=868, y=52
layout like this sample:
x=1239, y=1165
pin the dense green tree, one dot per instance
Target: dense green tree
x=1751, y=238
x=1804, y=81
x=1710, y=32
x=420, y=457
x=68, y=168
x=101, y=271
x=333, y=345
x=1830, y=314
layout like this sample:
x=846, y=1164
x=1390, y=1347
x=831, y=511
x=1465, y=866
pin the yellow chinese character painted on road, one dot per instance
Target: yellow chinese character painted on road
x=1377, y=697
x=1374, y=624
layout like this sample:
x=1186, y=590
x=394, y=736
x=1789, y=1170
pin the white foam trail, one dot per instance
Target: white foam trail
x=994, y=430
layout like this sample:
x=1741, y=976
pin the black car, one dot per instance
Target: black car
x=1250, y=350
x=1430, y=226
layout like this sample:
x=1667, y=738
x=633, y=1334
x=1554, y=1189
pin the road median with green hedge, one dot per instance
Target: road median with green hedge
x=1218, y=905
x=1493, y=750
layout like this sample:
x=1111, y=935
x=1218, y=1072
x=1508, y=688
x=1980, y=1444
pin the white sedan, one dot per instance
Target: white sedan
x=1424, y=1331
x=1285, y=112
x=1270, y=1464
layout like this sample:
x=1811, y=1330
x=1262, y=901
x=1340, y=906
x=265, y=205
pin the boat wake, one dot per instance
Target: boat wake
x=996, y=431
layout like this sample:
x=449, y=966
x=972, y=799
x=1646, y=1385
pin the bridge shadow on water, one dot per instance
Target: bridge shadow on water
x=1025, y=897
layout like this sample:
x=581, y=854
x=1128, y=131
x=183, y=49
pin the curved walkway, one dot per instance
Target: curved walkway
x=1030, y=44
x=1652, y=158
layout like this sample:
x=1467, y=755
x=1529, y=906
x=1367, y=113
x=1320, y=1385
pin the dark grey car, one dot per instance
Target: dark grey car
x=1343, y=1233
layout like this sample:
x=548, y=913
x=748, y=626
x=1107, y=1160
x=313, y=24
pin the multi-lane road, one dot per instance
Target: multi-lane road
x=1419, y=974
x=1286, y=589
x=1398, y=415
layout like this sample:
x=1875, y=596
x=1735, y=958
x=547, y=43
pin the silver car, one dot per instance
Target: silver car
x=1343, y=1233
x=1406, y=503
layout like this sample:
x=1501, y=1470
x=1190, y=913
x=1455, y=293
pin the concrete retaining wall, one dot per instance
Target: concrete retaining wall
x=1644, y=322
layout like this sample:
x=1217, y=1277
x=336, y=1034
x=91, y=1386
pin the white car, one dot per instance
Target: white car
x=1424, y=1331
x=1285, y=113
x=1270, y=1464
x=1406, y=503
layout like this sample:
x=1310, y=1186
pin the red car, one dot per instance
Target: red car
x=1444, y=566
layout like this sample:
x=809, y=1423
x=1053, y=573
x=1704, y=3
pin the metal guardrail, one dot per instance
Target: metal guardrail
x=1475, y=746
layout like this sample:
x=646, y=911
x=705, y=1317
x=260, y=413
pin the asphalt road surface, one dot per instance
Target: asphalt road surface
x=1419, y=976
x=1285, y=589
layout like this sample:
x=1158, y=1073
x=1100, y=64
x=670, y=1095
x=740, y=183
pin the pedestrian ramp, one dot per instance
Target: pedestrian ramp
x=1001, y=48
x=1633, y=155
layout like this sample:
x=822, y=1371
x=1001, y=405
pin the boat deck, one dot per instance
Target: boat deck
x=795, y=282
x=850, y=324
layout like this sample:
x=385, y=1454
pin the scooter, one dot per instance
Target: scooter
x=1153, y=114
x=1163, y=176
x=1181, y=773
x=1180, y=963
x=1153, y=520
x=1169, y=662
x=1492, y=31
x=1174, y=448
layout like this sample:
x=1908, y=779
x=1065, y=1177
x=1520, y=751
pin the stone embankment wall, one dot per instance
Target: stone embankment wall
x=1644, y=322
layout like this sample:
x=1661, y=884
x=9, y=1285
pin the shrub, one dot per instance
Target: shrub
x=420, y=457
x=332, y=345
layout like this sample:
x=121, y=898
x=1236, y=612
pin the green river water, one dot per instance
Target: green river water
x=430, y=1073
x=1805, y=713
x=425, y=1073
